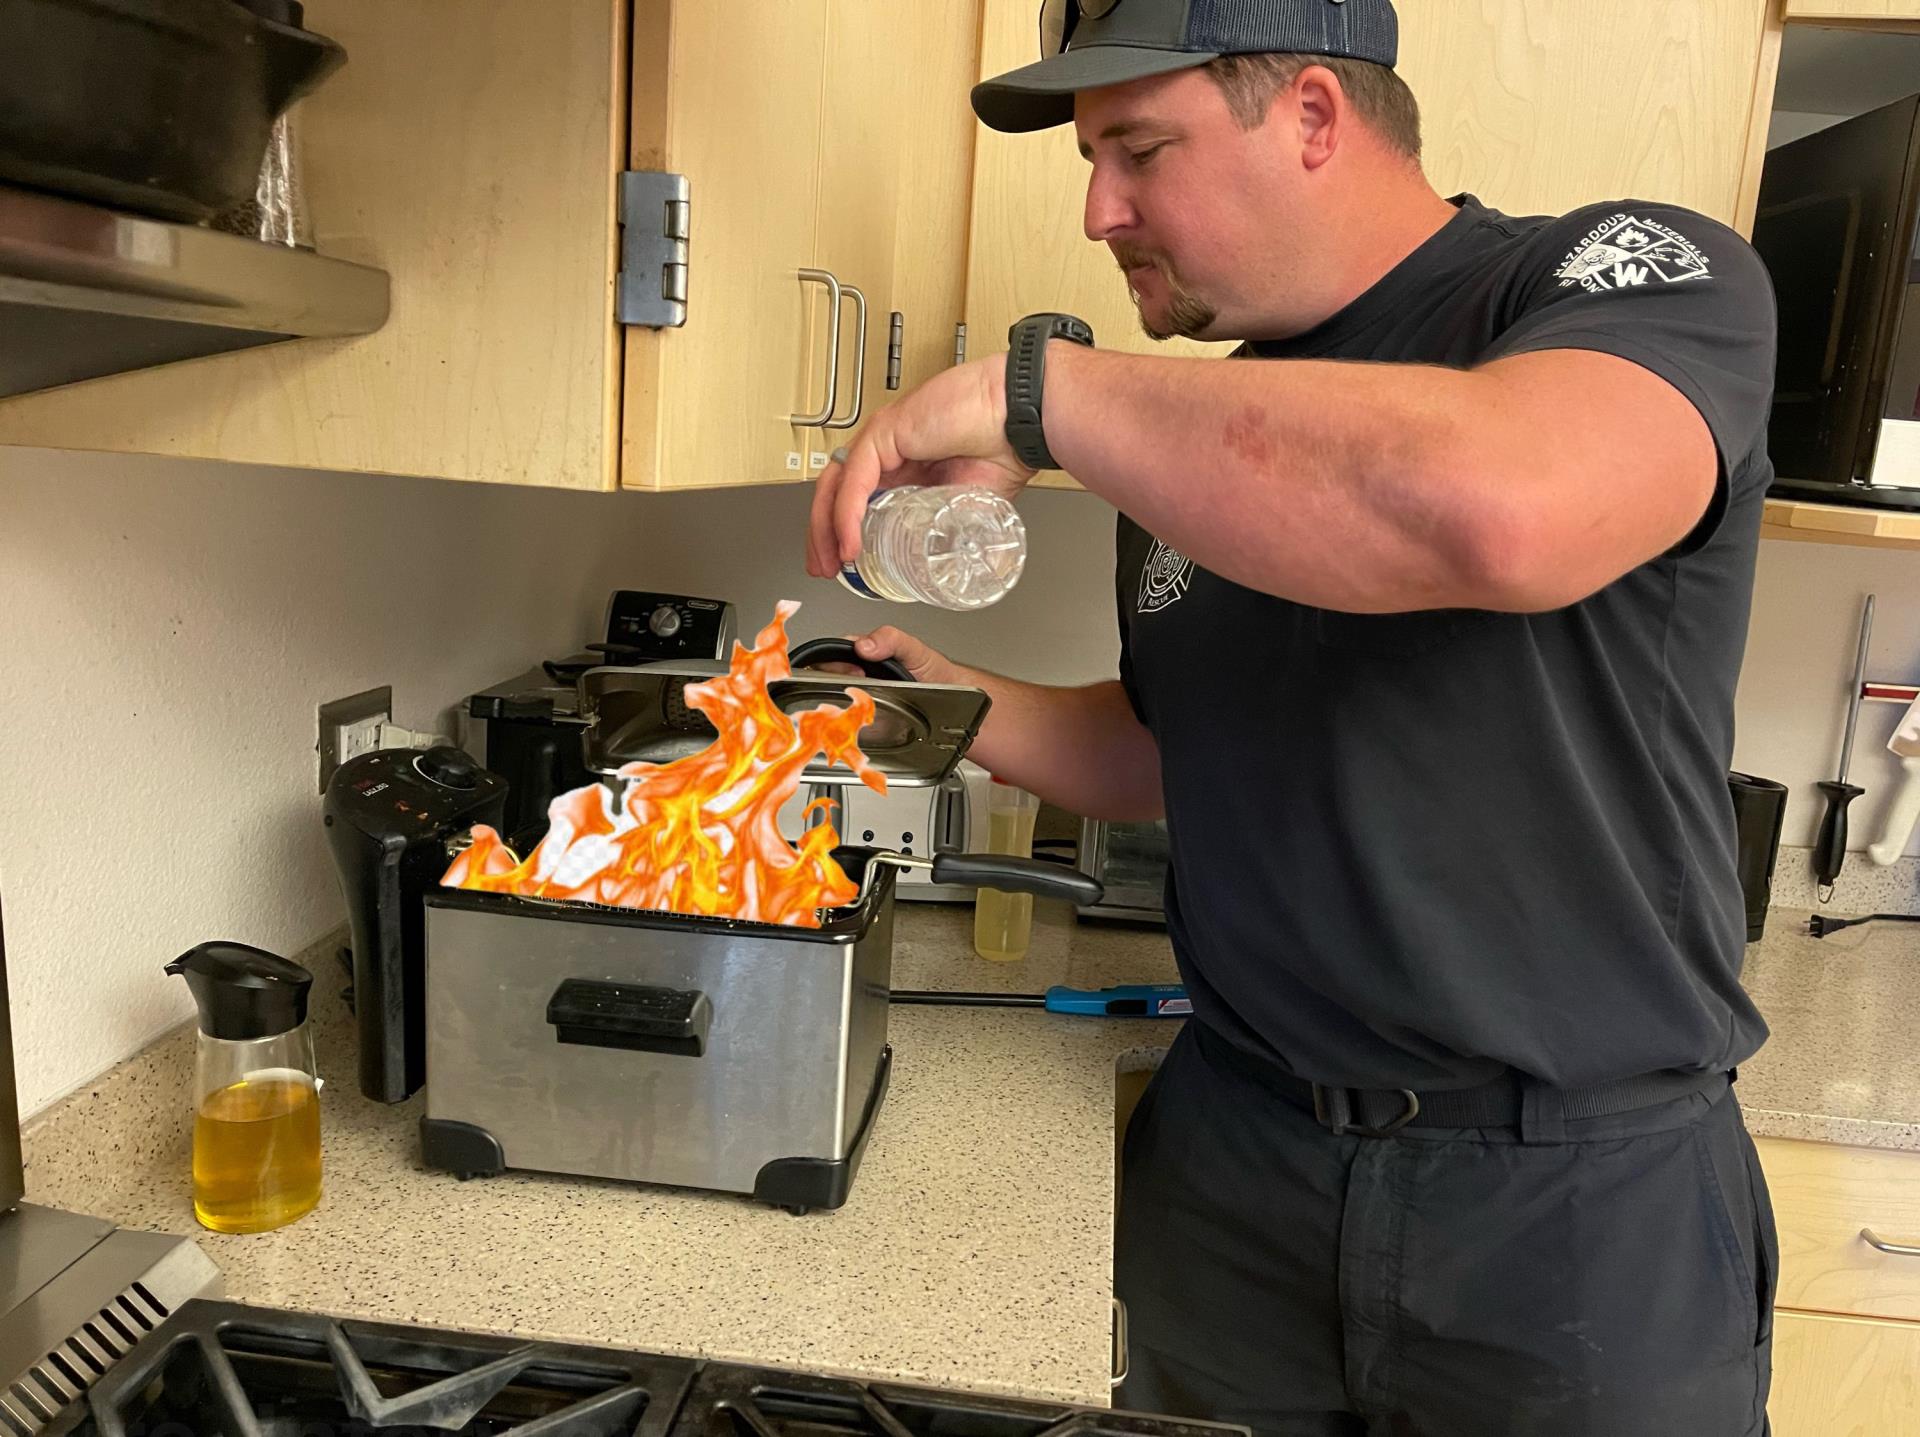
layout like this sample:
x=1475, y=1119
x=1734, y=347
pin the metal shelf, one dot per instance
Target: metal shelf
x=87, y=291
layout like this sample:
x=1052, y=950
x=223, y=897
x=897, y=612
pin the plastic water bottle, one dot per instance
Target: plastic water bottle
x=952, y=546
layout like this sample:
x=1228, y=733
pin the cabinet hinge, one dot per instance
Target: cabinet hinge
x=655, y=216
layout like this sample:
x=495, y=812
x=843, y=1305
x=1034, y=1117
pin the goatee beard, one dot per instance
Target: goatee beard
x=1188, y=315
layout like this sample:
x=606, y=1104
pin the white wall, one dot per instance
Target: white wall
x=168, y=631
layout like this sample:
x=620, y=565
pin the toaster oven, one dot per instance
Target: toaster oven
x=1130, y=861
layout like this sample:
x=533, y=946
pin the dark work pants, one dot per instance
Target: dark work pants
x=1615, y=1277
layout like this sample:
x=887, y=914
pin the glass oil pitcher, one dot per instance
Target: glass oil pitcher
x=256, y=1125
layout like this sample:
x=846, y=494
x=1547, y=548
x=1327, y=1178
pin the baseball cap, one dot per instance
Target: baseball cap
x=1109, y=42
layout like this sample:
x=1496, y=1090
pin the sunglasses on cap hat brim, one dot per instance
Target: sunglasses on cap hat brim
x=1059, y=17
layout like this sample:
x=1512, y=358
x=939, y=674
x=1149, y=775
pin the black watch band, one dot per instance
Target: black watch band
x=1026, y=380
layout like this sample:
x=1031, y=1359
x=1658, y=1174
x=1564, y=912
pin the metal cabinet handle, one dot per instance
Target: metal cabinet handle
x=859, y=360
x=1880, y=1244
x=1122, y=1364
x=825, y=416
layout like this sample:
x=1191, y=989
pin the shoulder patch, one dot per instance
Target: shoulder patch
x=1624, y=251
x=1163, y=578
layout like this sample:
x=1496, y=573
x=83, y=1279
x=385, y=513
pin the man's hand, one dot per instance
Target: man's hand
x=951, y=430
x=926, y=665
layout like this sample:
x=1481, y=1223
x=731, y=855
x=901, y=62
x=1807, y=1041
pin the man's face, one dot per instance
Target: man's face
x=1193, y=207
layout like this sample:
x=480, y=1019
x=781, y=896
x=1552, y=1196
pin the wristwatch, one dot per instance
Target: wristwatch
x=1026, y=378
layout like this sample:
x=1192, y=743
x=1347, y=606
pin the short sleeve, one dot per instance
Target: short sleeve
x=1675, y=293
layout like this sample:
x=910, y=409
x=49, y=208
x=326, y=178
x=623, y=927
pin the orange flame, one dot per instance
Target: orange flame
x=700, y=835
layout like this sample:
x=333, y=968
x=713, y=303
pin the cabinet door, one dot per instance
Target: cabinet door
x=469, y=150
x=895, y=161
x=1844, y=1377
x=1870, y=10
x=854, y=235
x=1538, y=106
x=731, y=97
x=1824, y=1195
x=935, y=133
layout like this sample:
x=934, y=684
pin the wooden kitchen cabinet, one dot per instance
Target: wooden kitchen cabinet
x=1824, y=1195
x=485, y=182
x=1538, y=106
x=830, y=144
x=1844, y=1377
x=469, y=150
x=1841, y=1367
x=895, y=171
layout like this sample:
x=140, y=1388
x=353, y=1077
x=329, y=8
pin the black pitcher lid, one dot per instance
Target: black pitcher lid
x=244, y=992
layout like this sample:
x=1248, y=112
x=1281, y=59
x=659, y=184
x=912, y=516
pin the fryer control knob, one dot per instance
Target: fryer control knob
x=664, y=622
x=447, y=767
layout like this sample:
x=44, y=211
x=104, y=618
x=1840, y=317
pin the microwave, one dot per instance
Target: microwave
x=1837, y=229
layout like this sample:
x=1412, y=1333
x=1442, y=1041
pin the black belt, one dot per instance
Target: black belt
x=1382, y=1112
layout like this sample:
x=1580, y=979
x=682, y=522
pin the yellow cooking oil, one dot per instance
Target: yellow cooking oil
x=256, y=1153
x=1003, y=922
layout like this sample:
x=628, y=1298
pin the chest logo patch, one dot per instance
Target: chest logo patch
x=1163, y=579
x=1623, y=252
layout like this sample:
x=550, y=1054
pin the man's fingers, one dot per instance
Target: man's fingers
x=859, y=477
x=891, y=643
x=821, y=562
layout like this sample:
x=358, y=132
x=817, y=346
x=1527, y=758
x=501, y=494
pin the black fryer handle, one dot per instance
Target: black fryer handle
x=632, y=1016
x=1018, y=875
x=814, y=652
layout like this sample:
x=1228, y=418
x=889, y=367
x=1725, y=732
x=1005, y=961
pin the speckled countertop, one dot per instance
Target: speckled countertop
x=975, y=1251
x=1843, y=1064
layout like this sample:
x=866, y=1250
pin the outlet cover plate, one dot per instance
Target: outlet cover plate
x=338, y=716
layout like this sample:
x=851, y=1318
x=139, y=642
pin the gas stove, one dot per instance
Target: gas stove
x=221, y=1369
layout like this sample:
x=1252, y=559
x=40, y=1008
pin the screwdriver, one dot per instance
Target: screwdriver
x=1830, y=848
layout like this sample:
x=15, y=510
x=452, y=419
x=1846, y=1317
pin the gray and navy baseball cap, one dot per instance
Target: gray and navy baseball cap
x=1109, y=42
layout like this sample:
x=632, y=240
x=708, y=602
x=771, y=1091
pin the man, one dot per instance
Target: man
x=1432, y=604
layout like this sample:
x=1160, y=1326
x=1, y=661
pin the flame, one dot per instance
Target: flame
x=701, y=835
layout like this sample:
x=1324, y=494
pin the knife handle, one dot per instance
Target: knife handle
x=1830, y=848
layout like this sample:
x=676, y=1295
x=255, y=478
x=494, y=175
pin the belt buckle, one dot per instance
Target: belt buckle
x=1333, y=1109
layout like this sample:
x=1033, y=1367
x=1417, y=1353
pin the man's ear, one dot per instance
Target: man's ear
x=1321, y=104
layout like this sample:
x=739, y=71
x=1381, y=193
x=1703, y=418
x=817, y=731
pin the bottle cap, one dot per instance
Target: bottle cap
x=244, y=993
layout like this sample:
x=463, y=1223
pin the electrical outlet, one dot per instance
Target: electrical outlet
x=350, y=727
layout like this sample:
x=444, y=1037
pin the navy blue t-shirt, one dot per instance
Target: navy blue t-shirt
x=1413, y=850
